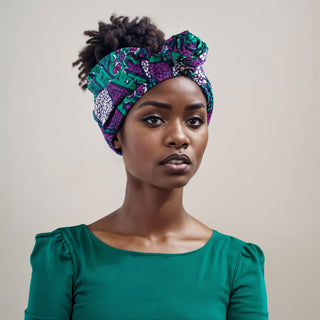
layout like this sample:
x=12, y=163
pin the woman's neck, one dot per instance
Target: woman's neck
x=152, y=212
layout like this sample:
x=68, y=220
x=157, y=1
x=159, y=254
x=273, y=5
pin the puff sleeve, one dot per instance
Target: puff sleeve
x=248, y=300
x=51, y=285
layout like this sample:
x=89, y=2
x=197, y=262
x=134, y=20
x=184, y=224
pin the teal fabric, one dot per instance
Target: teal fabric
x=77, y=276
x=122, y=77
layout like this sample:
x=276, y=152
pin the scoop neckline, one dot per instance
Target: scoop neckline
x=91, y=234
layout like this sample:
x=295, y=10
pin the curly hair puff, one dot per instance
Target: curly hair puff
x=120, y=33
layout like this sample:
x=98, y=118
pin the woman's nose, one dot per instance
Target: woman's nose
x=176, y=136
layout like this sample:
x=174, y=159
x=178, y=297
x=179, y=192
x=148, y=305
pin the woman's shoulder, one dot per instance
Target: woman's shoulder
x=60, y=232
x=238, y=246
x=59, y=244
x=66, y=235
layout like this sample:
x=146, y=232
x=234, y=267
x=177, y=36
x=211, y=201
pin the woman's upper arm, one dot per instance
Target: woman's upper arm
x=248, y=300
x=51, y=285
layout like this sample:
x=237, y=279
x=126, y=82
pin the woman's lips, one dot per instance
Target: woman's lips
x=176, y=158
x=176, y=168
x=176, y=163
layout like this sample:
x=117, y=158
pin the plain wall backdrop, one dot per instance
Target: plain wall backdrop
x=259, y=180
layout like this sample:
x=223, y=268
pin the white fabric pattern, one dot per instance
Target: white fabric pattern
x=103, y=106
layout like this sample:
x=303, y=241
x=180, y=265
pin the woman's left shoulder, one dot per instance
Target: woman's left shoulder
x=240, y=247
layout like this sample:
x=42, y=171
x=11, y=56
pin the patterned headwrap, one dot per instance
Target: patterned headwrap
x=119, y=79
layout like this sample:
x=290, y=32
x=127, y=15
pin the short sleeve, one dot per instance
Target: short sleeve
x=248, y=300
x=51, y=285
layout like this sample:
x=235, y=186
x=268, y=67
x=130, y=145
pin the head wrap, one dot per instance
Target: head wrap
x=119, y=79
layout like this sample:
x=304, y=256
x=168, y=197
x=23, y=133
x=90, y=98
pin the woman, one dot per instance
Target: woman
x=149, y=259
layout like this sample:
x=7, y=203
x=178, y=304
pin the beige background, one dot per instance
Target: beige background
x=260, y=177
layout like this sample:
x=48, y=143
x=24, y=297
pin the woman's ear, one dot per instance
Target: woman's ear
x=117, y=140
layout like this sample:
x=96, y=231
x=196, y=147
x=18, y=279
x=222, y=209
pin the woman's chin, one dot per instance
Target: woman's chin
x=178, y=182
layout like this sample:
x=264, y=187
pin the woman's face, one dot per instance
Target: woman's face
x=168, y=120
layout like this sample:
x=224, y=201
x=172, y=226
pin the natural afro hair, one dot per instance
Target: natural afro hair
x=120, y=33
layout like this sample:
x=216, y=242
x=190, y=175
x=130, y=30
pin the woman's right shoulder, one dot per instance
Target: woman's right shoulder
x=61, y=237
x=59, y=232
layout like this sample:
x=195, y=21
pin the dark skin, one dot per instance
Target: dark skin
x=170, y=118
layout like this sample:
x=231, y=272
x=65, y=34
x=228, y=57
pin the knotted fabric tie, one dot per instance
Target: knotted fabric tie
x=119, y=79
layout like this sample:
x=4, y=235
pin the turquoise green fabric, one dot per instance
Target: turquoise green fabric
x=77, y=276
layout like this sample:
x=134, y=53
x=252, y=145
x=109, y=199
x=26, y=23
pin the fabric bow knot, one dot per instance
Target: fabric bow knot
x=186, y=49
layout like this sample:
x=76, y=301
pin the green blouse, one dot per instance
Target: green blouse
x=77, y=276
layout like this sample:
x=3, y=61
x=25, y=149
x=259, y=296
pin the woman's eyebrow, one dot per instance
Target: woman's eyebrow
x=167, y=106
x=196, y=106
x=157, y=104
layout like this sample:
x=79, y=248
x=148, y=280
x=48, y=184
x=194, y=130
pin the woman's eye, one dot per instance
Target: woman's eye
x=153, y=120
x=195, y=122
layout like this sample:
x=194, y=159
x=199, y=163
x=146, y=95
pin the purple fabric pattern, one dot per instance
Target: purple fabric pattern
x=121, y=78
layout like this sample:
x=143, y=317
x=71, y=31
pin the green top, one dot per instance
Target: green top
x=77, y=276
